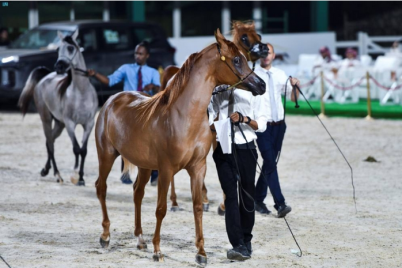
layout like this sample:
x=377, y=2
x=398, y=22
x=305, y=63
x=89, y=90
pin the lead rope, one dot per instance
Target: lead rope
x=244, y=136
x=5, y=262
x=339, y=149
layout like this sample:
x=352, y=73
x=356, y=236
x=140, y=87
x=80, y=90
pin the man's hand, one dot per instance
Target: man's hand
x=295, y=81
x=91, y=72
x=235, y=117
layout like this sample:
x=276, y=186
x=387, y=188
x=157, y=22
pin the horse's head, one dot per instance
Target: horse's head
x=248, y=41
x=69, y=52
x=233, y=69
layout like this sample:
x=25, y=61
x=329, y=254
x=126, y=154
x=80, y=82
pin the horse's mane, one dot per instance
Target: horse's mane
x=245, y=26
x=167, y=97
x=63, y=84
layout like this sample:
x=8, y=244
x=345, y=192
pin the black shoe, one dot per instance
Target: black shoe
x=249, y=248
x=283, y=210
x=262, y=208
x=239, y=253
x=125, y=178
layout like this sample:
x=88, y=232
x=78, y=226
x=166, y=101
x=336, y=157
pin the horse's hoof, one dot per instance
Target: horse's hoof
x=158, y=257
x=141, y=243
x=201, y=260
x=80, y=183
x=221, y=212
x=75, y=178
x=60, y=180
x=142, y=246
x=44, y=172
x=175, y=208
x=205, y=207
x=104, y=243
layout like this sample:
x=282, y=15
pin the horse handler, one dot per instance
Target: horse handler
x=239, y=167
x=137, y=77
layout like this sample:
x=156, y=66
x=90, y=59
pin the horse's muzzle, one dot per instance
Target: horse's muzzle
x=255, y=84
x=259, y=50
x=61, y=67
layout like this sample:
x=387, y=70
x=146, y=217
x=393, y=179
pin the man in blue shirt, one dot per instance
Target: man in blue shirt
x=137, y=77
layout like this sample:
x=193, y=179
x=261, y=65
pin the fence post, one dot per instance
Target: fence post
x=322, y=114
x=368, y=117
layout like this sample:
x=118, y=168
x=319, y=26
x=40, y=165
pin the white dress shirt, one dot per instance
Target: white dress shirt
x=279, y=80
x=245, y=103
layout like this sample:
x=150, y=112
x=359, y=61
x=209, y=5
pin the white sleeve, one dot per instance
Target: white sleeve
x=260, y=111
x=213, y=109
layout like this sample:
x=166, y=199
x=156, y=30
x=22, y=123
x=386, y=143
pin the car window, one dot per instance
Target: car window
x=87, y=39
x=39, y=39
x=116, y=39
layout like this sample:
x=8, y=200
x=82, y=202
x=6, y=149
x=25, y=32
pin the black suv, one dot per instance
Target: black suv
x=105, y=46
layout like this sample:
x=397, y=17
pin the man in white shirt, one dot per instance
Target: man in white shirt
x=350, y=60
x=270, y=141
x=239, y=218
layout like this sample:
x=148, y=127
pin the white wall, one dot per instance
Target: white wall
x=293, y=44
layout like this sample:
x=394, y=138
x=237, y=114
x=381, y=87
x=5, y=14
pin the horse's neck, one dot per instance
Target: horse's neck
x=196, y=95
x=79, y=79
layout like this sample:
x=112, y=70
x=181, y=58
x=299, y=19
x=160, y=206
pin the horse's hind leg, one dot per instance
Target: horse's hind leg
x=106, y=160
x=197, y=174
x=50, y=135
x=173, y=197
x=139, y=186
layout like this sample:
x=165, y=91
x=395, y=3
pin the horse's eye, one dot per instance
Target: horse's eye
x=236, y=60
x=70, y=49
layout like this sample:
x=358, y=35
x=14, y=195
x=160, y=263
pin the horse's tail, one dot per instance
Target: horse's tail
x=34, y=77
x=128, y=169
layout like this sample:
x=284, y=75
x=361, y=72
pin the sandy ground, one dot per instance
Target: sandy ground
x=45, y=224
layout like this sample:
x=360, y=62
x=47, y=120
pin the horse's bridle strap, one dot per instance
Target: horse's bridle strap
x=240, y=79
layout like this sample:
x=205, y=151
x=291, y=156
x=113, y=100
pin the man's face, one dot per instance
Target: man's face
x=350, y=55
x=140, y=55
x=268, y=59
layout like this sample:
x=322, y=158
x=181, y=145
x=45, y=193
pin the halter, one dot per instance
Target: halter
x=238, y=76
x=78, y=70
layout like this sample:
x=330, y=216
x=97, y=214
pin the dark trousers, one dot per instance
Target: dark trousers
x=239, y=212
x=270, y=144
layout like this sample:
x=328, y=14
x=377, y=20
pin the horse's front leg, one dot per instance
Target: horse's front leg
x=197, y=174
x=70, y=127
x=165, y=177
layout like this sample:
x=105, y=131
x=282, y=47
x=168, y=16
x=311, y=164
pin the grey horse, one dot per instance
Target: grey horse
x=65, y=97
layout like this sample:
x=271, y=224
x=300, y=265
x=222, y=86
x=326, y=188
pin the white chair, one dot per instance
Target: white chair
x=366, y=60
x=305, y=74
x=384, y=72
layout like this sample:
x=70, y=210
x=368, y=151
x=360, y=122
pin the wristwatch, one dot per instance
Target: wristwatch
x=249, y=120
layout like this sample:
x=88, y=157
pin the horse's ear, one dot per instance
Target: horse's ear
x=220, y=38
x=75, y=35
x=61, y=35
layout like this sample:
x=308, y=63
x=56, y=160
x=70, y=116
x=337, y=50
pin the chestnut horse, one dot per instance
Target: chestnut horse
x=168, y=132
x=249, y=43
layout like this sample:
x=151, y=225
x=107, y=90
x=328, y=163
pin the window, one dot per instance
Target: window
x=116, y=39
x=87, y=40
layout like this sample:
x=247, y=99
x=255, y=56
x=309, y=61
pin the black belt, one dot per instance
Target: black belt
x=244, y=146
x=275, y=123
